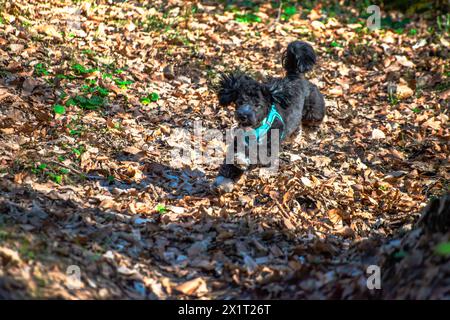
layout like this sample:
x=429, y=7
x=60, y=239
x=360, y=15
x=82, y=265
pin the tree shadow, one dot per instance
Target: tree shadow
x=163, y=181
x=125, y=255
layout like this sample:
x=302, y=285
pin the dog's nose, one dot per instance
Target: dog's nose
x=244, y=113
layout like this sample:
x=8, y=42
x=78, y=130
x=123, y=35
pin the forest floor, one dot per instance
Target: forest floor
x=92, y=93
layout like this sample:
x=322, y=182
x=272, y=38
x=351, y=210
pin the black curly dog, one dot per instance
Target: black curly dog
x=287, y=102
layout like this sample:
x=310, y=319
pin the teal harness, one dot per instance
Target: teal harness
x=267, y=123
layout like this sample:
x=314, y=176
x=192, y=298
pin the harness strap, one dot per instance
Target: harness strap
x=267, y=123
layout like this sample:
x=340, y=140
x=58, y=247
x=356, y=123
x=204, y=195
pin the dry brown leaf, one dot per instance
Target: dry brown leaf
x=378, y=134
x=345, y=231
x=403, y=91
x=306, y=181
x=336, y=91
x=404, y=61
x=192, y=286
x=317, y=25
x=49, y=30
x=29, y=85
x=335, y=216
x=132, y=150
x=8, y=255
x=432, y=123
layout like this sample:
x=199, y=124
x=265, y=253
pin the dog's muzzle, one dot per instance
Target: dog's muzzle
x=246, y=116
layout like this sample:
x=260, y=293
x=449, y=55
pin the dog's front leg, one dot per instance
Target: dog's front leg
x=236, y=162
x=233, y=167
x=227, y=177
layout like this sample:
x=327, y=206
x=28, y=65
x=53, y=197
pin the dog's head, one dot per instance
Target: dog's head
x=252, y=99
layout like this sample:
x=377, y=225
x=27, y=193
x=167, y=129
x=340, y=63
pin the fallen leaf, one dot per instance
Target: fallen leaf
x=404, y=61
x=403, y=91
x=49, y=30
x=335, y=216
x=8, y=255
x=192, y=286
x=29, y=85
x=306, y=181
x=132, y=150
x=378, y=134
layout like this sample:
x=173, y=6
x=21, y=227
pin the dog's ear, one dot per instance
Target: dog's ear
x=278, y=95
x=229, y=87
x=266, y=93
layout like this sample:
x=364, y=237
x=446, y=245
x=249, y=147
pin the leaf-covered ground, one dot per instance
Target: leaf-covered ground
x=91, y=91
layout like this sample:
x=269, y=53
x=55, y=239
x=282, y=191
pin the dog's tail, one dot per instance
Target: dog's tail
x=298, y=58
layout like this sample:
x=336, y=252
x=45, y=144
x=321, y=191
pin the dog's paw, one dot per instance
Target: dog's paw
x=222, y=185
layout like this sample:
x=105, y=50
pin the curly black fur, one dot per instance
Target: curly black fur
x=298, y=58
x=296, y=99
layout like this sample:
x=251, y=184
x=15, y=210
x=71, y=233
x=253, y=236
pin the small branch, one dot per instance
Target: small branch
x=90, y=177
x=279, y=11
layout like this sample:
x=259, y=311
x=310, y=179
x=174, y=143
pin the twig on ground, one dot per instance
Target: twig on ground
x=279, y=11
x=91, y=177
